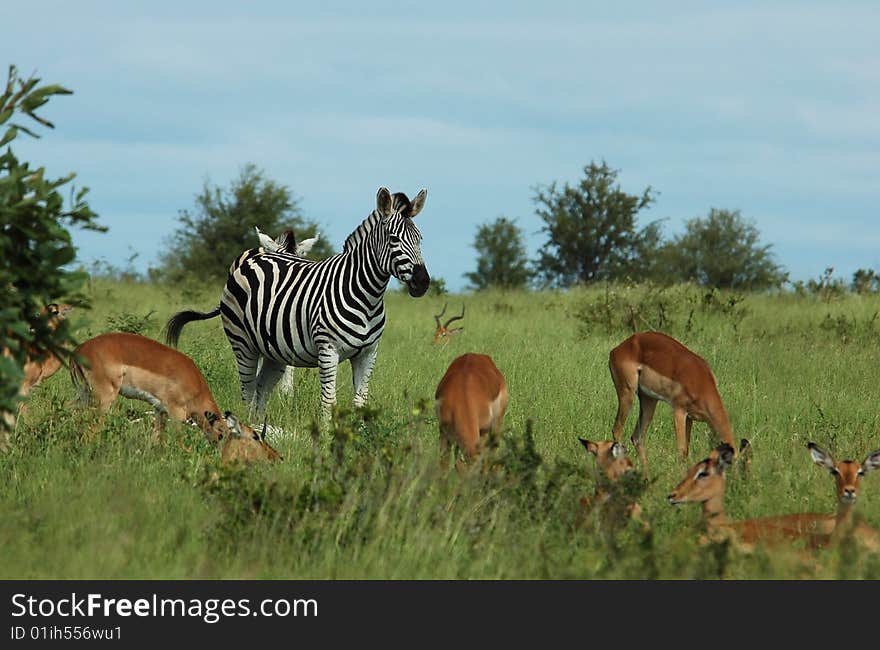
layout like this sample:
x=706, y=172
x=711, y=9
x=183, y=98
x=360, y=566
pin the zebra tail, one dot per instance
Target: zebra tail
x=175, y=323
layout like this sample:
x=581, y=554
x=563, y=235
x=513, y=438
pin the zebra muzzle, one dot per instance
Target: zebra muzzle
x=419, y=282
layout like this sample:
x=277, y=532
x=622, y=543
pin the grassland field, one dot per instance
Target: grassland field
x=367, y=499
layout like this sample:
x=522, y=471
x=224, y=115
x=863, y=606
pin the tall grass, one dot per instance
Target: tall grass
x=368, y=499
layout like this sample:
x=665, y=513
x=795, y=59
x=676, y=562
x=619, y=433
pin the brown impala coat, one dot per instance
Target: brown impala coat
x=657, y=367
x=140, y=368
x=470, y=401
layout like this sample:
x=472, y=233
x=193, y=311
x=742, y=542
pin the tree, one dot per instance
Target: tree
x=222, y=224
x=501, y=260
x=866, y=281
x=592, y=229
x=723, y=250
x=35, y=245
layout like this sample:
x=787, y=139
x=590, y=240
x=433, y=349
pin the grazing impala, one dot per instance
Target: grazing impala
x=470, y=402
x=443, y=333
x=134, y=366
x=244, y=445
x=705, y=484
x=657, y=367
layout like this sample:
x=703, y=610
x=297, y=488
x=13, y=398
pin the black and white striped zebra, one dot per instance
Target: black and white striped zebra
x=287, y=310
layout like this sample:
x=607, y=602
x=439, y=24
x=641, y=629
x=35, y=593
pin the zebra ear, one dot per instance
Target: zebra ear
x=383, y=202
x=418, y=203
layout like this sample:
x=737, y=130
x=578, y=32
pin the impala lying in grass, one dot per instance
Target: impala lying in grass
x=705, y=484
x=612, y=463
x=244, y=445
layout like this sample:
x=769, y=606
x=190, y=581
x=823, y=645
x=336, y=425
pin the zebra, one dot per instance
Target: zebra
x=287, y=310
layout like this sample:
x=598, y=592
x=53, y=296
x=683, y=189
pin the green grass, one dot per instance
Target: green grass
x=790, y=370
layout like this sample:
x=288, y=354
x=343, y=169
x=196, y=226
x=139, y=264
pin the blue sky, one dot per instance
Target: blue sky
x=770, y=108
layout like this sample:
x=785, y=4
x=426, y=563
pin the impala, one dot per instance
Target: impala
x=657, y=367
x=612, y=462
x=244, y=445
x=136, y=367
x=470, y=402
x=38, y=366
x=443, y=332
x=705, y=484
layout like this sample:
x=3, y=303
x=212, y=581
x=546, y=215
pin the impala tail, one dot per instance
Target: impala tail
x=176, y=323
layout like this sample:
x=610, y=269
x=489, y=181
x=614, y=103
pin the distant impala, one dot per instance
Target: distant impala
x=443, y=332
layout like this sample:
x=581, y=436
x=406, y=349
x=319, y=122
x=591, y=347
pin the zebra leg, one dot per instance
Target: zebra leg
x=361, y=369
x=270, y=373
x=328, y=362
x=287, y=381
x=247, y=362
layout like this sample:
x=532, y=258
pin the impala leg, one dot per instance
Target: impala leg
x=444, y=452
x=680, y=418
x=160, y=422
x=647, y=405
x=688, y=423
x=361, y=370
x=328, y=362
x=625, y=383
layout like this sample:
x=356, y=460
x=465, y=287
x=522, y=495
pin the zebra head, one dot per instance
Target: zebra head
x=404, y=253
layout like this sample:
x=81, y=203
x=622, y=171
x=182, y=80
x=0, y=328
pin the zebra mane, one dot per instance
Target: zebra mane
x=360, y=233
x=399, y=203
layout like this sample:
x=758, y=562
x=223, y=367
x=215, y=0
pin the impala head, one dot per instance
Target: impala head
x=245, y=444
x=215, y=427
x=706, y=479
x=404, y=253
x=610, y=457
x=55, y=313
x=846, y=473
x=443, y=332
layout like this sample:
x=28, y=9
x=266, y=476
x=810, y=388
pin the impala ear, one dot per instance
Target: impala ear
x=725, y=456
x=821, y=457
x=384, y=202
x=871, y=462
x=590, y=446
x=418, y=203
x=233, y=425
x=617, y=450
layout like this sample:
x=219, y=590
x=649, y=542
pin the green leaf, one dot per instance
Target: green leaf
x=9, y=136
